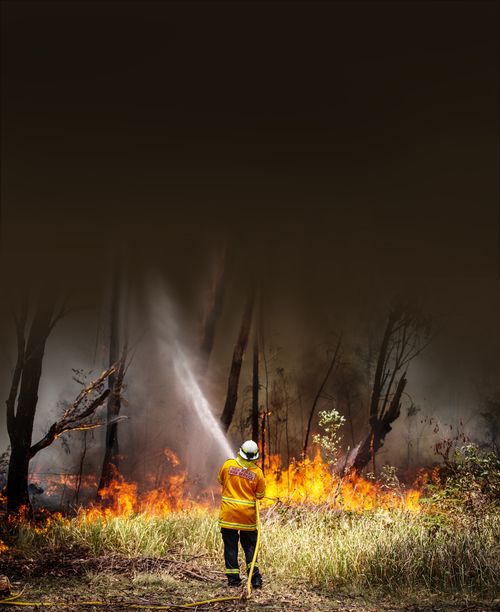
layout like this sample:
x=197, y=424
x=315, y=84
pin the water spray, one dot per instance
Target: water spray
x=196, y=398
x=169, y=344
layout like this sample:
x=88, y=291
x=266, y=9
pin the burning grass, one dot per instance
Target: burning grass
x=308, y=481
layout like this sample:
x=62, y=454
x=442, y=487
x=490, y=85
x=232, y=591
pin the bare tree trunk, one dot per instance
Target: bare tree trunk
x=301, y=407
x=287, y=434
x=234, y=374
x=80, y=468
x=24, y=390
x=212, y=314
x=26, y=379
x=318, y=395
x=263, y=442
x=111, y=451
x=276, y=411
x=255, y=387
x=265, y=418
x=406, y=334
x=111, y=456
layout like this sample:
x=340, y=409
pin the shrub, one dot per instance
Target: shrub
x=470, y=482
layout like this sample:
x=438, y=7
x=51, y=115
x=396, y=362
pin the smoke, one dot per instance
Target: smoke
x=169, y=405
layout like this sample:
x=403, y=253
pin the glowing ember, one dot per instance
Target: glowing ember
x=171, y=457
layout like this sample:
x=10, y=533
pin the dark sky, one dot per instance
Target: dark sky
x=364, y=130
x=342, y=150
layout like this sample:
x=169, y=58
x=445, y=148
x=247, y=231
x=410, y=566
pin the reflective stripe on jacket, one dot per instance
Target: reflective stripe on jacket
x=242, y=483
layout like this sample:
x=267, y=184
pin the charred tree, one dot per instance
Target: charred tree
x=212, y=314
x=111, y=451
x=255, y=387
x=406, y=334
x=379, y=429
x=23, y=397
x=24, y=393
x=234, y=374
x=319, y=393
x=111, y=457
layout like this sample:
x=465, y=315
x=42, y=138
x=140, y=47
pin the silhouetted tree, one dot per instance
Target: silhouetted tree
x=111, y=450
x=23, y=395
x=406, y=334
x=23, y=399
x=255, y=387
x=264, y=425
x=234, y=374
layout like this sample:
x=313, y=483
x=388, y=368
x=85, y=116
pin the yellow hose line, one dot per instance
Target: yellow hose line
x=257, y=544
x=13, y=600
x=48, y=604
x=12, y=597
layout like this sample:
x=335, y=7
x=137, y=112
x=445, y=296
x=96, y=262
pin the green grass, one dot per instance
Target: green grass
x=393, y=552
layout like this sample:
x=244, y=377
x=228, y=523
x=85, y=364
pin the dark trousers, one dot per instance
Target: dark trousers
x=248, y=541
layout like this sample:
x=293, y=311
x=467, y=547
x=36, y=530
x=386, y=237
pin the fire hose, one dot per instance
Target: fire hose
x=14, y=600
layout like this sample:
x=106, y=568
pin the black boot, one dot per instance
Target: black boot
x=233, y=581
x=257, y=580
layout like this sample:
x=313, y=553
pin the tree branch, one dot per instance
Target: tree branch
x=95, y=384
x=73, y=420
x=58, y=428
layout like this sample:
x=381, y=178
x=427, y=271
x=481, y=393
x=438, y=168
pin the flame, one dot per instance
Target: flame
x=310, y=481
x=159, y=497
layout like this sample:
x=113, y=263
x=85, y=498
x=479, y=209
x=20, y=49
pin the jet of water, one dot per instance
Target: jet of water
x=196, y=398
x=167, y=336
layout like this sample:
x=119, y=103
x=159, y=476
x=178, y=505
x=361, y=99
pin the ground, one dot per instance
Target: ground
x=159, y=581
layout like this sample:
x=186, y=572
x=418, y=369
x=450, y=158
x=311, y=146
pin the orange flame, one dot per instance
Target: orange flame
x=311, y=481
x=308, y=481
x=170, y=493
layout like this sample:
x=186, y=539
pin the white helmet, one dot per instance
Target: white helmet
x=249, y=450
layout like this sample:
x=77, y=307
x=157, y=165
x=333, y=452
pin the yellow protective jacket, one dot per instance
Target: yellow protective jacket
x=242, y=483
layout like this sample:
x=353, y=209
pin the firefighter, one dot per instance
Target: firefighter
x=242, y=485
